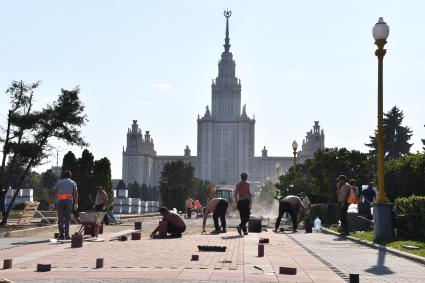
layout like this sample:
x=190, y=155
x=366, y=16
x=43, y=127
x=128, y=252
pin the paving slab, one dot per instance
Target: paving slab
x=344, y=257
x=169, y=260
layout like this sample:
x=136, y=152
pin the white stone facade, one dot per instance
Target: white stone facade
x=225, y=140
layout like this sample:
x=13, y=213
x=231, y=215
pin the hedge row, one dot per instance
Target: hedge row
x=411, y=215
x=410, y=205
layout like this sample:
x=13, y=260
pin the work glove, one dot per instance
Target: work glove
x=75, y=206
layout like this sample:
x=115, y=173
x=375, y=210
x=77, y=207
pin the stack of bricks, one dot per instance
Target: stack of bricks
x=123, y=204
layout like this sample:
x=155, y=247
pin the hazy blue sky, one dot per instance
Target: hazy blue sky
x=153, y=61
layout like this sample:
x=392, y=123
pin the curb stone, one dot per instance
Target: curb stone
x=396, y=252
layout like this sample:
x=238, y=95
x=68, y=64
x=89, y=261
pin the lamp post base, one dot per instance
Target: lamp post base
x=382, y=221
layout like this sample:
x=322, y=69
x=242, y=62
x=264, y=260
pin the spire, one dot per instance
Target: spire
x=226, y=45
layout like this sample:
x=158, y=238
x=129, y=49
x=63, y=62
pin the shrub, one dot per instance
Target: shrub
x=414, y=206
x=410, y=205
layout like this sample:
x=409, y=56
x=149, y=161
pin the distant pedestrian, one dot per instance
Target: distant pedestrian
x=66, y=195
x=219, y=207
x=189, y=207
x=368, y=195
x=292, y=205
x=343, y=192
x=244, y=202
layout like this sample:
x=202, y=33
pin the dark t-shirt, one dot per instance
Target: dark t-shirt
x=368, y=194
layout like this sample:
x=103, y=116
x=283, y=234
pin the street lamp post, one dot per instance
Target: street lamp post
x=380, y=33
x=382, y=209
x=294, y=147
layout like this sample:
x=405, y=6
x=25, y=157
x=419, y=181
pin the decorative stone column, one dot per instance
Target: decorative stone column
x=383, y=221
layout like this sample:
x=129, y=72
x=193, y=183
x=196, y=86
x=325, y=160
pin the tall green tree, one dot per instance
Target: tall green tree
x=102, y=176
x=396, y=136
x=200, y=190
x=88, y=173
x=45, y=188
x=405, y=176
x=27, y=133
x=134, y=190
x=176, y=182
x=85, y=181
x=144, y=192
x=70, y=163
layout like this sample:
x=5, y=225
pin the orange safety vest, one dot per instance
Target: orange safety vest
x=196, y=204
x=65, y=196
x=353, y=197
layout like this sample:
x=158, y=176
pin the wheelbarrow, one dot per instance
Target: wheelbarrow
x=91, y=220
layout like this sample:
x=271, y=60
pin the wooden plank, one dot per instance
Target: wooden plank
x=28, y=212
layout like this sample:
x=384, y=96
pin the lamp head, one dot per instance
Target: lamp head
x=294, y=145
x=381, y=30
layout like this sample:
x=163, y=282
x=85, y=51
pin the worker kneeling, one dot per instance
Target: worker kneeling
x=219, y=207
x=175, y=224
x=292, y=205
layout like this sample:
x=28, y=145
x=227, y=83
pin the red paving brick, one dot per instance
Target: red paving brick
x=171, y=259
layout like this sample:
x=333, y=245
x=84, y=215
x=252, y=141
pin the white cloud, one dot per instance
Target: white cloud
x=163, y=87
x=145, y=103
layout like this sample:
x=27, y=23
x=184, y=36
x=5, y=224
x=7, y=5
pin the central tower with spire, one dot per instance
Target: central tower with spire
x=226, y=89
x=225, y=135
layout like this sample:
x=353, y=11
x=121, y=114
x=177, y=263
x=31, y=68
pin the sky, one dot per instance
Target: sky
x=153, y=61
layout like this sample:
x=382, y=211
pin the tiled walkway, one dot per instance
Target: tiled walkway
x=372, y=265
x=169, y=260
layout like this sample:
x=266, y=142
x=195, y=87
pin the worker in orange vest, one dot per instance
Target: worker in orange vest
x=65, y=192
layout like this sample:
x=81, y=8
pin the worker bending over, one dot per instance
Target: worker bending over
x=292, y=205
x=219, y=207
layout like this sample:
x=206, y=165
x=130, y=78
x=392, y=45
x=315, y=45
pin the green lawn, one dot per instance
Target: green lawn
x=396, y=244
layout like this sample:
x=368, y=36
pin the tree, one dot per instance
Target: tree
x=134, y=190
x=176, y=181
x=200, y=190
x=27, y=134
x=396, y=136
x=48, y=179
x=154, y=193
x=70, y=163
x=102, y=176
x=316, y=177
x=44, y=190
x=144, y=193
x=88, y=174
x=405, y=176
x=85, y=181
